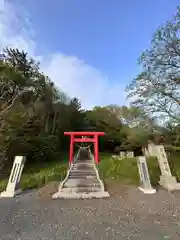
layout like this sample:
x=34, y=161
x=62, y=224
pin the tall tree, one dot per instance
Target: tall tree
x=157, y=88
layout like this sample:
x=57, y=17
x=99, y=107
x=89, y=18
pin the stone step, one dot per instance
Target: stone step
x=81, y=189
x=75, y=173
x=71, y=176
x=90, y=177
x=81, y=183
x=82, y=178
x=82, y=161
x=80, y=195
x=85, y=173
x=83, y=170
x=83, y=166
x=82, y=174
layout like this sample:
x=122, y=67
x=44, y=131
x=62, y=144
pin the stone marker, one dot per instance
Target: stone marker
x=166, y=179
x=122, y=154
x=151, y=151
x=145, y=152
x=144, y=176
x=13, y=186
x=130, y=154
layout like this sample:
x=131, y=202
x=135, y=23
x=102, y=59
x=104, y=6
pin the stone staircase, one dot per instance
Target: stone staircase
x=82, y=180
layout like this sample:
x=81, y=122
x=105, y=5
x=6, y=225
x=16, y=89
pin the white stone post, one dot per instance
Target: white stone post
x=130, y=154
x=144, y=176
x=145, y=152
x=122, y=154
x=151, y=151
x=13, y=186
x=166, y=179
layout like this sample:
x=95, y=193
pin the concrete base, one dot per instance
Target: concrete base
x=8, y=194
x=147, y=190
x=64, y=195
x=169, y=182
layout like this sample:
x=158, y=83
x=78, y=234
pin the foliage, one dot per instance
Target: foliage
x=31, y=110
x=156, y=89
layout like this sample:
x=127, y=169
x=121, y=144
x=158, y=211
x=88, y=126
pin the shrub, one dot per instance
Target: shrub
x=43, y=148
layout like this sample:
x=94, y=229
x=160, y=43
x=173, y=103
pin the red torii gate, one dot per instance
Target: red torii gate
x=74, y=139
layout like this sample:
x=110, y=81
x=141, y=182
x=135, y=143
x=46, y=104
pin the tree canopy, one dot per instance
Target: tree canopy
x=157, y=88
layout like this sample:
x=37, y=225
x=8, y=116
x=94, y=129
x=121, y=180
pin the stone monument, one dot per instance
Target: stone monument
x=145, y=152
x=122, y=154
x=129, y=154
x=151, y=151
x=13, y=186
x=144, y=176
x=166, y=179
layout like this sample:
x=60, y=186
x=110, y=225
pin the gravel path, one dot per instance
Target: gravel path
x=133, y=216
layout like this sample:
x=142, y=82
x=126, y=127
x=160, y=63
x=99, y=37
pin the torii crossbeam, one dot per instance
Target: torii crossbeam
x=75, y=137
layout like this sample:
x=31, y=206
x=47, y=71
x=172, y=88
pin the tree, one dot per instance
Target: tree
x=157, y=88
x=30, y=105
x=105, y=119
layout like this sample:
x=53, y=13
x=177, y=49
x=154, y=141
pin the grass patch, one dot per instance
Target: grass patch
x=174, y=163
x=126, y=169
x=154, y=171
x=40, y=174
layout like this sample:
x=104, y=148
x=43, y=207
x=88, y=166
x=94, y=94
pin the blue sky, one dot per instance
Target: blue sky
x=89, y=48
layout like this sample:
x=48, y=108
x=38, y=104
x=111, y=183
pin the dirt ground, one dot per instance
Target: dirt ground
x=126, y=214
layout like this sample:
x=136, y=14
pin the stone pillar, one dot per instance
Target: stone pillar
x=13, y=186
x=145, y=152
x=144, y=176
x=166, y=179
x=122, y=154
x=130, y=154
x=151, y=151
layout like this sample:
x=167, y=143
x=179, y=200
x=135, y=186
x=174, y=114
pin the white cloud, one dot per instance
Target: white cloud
x=71, y=74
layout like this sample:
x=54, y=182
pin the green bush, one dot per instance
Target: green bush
x=43, y=148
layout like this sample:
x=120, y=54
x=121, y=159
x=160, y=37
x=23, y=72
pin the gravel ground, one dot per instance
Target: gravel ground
x=127, y=214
